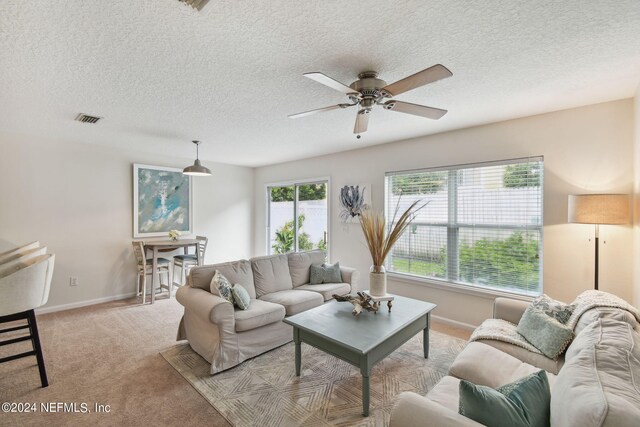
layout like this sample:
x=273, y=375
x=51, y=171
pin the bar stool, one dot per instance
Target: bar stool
x=24, y=286
x=187, y=261
x=145, y=268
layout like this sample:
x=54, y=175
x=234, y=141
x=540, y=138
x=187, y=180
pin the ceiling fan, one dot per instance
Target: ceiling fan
x=369, y=90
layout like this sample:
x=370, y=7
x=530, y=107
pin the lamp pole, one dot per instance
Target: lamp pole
x=597, y=250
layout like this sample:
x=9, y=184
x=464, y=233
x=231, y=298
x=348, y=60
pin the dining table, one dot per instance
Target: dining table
x=155, y=246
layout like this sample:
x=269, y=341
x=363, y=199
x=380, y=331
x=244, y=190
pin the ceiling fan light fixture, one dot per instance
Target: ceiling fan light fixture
x=197, y=169
x=369, y=91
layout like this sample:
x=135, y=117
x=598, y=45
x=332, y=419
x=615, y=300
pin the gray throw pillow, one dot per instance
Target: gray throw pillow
x=220, y=285
x=544, y=332
x=523, y=403
x=241, y=297
x=325, y=273
x=556, y=309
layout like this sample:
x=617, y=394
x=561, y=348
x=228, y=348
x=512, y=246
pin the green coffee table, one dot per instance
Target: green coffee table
x=362, y=341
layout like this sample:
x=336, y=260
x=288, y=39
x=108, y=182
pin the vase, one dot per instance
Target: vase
x=377, y=281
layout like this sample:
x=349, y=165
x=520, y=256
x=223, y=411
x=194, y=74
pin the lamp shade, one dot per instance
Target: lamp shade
x=599, y=209
x=197, y=169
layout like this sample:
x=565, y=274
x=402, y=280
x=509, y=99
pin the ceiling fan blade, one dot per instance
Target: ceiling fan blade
x=430, y=75
x=319, y=110
x=362, y=122
x=415, y=109
x=328, y=81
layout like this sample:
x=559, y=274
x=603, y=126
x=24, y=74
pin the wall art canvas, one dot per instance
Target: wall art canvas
x=162, y=201
x=353, y=199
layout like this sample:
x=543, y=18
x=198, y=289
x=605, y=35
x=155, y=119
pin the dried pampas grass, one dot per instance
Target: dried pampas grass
x=374, y=226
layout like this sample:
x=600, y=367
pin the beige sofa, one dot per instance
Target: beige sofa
x=597, y=381
x=278, y=286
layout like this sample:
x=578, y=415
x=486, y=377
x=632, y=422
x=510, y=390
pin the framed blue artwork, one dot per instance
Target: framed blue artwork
x=162, y=201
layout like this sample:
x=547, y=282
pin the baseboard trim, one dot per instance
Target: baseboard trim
x=455, y=323
x=62, y=307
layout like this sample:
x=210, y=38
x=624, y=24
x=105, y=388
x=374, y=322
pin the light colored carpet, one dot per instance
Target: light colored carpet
x=264, y=391
x=106, y=354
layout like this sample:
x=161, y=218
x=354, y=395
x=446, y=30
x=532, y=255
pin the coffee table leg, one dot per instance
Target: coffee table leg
x=365, y=370
x=296, y=339
x=425, y=336
x=365, y=394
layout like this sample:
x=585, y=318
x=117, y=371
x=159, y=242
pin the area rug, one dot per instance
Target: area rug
x=264, y=391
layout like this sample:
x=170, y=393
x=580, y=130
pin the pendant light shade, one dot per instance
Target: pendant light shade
x=197, y=169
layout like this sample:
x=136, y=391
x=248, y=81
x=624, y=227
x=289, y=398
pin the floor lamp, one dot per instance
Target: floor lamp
x=599, y=209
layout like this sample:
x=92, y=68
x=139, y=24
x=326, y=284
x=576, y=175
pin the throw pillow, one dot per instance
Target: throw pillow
x=544, y=332
x=524, y=402
x=220, y=285
x=325, y=273
x=556, y=309
x=241, y=297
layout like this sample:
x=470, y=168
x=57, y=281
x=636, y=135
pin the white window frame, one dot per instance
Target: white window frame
x=294, y=183
x=452, y=249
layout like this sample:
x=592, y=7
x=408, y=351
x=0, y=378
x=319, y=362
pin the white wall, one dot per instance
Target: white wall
x=588, y=149
x=636, y=210
x=77, y=199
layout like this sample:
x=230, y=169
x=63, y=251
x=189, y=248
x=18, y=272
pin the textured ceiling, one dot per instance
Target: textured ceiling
x=162, y=73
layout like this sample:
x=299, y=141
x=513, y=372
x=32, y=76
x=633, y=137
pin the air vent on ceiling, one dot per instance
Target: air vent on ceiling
x=196, y=4
x=85, y=118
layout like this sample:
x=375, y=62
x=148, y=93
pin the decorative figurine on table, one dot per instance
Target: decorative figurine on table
x=363, y=301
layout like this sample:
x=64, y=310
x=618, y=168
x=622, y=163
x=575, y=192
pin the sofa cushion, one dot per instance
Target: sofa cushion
x=545, y=332
x=325, y=273
x=606, y=332
x=271, y=274
x=446, y=393
x=483, y=364
x=221, y=286
x=241, y=297
x=552, y=308
x=294, y=301
x=524, y=402
x=535, y=359
x=236, y=271
x=596, y=313
x=328, y=289
x=597, y=387
x=300, y=263
x=258, y=314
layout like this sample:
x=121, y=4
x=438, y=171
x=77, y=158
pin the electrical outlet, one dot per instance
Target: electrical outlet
x=73, y=281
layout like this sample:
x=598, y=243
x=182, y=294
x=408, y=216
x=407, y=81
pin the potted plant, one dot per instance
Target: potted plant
x=381, y=239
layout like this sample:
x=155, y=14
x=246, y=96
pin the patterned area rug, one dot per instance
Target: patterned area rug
x=264, y=391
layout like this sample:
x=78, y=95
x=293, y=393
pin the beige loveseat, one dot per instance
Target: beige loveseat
x=278, y=286
x=597, y=381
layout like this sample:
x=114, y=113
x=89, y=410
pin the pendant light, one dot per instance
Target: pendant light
x=196, y=169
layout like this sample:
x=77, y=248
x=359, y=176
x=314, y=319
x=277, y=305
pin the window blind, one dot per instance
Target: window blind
x=481, y=226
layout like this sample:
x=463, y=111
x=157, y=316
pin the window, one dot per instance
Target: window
x=297, y=217
x=482, y=225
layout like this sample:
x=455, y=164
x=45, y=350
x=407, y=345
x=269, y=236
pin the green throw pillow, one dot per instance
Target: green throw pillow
x=556, y=309
x=241, y=297
x=220, y=285
x=325, y=273
x=544, y=332
x=523, y=403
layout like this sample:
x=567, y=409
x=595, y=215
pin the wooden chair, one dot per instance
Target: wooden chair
x=23, y=288
x=145, y=268
x=187, y=261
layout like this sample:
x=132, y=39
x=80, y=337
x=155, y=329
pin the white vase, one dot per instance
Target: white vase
x=377, y=281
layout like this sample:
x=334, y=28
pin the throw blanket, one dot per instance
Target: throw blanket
x=501, y=330
x=592, y=299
